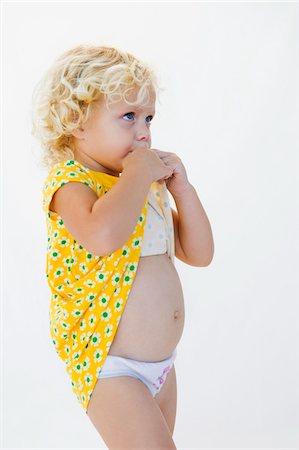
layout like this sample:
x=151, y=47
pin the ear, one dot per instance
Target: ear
x=78, y=133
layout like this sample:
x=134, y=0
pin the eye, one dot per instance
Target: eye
x=151, y=118
x=130, y=113
x=127, y=114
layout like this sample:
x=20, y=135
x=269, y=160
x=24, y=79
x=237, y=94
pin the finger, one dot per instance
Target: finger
x=160, y=151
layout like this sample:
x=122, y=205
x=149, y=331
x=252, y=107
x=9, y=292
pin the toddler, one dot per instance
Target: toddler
x=116, y=310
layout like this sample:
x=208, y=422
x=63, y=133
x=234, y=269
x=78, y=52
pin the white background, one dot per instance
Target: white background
x=228, y=109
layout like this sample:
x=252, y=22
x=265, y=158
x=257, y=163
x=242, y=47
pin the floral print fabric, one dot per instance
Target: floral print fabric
x=88, y=292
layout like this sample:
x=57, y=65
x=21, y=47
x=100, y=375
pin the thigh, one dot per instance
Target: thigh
x=167, y=399
x=126, y=415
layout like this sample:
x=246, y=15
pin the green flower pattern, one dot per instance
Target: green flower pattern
x=88, y=292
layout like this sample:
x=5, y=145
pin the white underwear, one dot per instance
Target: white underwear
x=152, y=374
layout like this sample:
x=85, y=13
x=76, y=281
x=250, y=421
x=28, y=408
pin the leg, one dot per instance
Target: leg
x=167, y=399
x=126, y=415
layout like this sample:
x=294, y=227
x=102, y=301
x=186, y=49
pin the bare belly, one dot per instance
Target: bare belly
x=152, y=322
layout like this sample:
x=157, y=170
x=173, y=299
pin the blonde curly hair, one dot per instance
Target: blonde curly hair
x=63, y=99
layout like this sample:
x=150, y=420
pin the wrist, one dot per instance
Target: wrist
x=138, y=173
x=182, y=192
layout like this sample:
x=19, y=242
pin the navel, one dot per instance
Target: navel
x=176, y=314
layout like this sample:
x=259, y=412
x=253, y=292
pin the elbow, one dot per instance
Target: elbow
x=99, y=242
x=108, y=242
x=203, y=262
x=208, y=261
x=209, y=256
x=113, y=242
x=199, y=263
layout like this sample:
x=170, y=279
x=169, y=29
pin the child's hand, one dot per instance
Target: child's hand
x=147, y=160
x=178, y=181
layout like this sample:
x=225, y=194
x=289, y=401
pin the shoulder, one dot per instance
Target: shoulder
x=69, y=170
x=62, y=173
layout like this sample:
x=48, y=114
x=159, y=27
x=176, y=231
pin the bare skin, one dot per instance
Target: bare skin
x=119, y=402
x=122, y=409
x=127, y=416
x=152, y=322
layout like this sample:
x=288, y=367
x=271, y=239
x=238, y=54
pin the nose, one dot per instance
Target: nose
x=144, y=141
x=143, y=135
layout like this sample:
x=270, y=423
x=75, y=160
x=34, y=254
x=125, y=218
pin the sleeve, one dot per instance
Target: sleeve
x=61, y=174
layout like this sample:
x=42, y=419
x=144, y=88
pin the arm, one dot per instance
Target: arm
x=193, y=235
x=102, y=225
x=119, y=209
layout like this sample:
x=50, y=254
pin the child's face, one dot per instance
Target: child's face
x=107, y=136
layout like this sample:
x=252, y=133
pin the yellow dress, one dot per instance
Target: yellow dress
x=89, y=292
